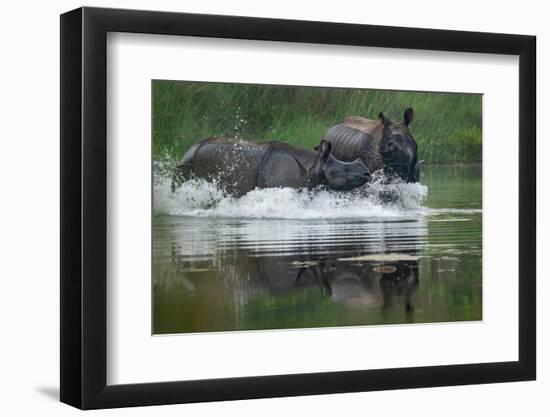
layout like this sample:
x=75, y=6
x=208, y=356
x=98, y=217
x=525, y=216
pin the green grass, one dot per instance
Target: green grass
x=447, y=127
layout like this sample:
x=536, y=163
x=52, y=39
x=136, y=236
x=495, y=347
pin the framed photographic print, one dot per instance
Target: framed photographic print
x=256, y=208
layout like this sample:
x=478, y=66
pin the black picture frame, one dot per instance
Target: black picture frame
x=84, y=207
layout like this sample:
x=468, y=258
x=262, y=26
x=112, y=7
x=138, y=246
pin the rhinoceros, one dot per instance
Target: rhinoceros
x=239, y=166
x=381, y=144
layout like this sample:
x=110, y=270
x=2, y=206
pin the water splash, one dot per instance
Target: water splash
x=198, y=197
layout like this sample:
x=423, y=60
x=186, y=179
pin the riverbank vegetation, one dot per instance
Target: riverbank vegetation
x=447, y=127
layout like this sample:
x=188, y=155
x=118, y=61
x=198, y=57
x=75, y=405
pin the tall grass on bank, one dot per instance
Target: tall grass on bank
x=447, y=126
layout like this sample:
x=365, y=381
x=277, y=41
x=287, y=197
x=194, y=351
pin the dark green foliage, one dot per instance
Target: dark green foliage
x=447, y=127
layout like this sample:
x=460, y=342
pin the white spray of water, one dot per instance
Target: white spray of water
x=201, y=198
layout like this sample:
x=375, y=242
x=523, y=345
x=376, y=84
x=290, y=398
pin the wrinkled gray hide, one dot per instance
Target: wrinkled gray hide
x=238, y=166
x=381, y=144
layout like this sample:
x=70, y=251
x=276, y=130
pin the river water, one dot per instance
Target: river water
x=278, y=259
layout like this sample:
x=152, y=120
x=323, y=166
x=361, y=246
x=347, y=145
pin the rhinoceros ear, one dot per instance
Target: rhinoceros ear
x=324, y=149
x=408, y=116
x=385, y=121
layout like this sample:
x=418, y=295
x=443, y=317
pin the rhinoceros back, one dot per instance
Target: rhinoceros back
x=231, y=163
x=349, y=143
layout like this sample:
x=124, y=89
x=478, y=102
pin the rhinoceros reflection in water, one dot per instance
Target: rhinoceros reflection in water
x=366, y=283
x=371, y=283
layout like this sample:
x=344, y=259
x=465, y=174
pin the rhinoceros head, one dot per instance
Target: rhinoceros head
x=340, y=175
x=398, y=147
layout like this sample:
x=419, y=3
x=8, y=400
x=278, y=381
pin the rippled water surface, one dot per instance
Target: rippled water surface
x=288, y=259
